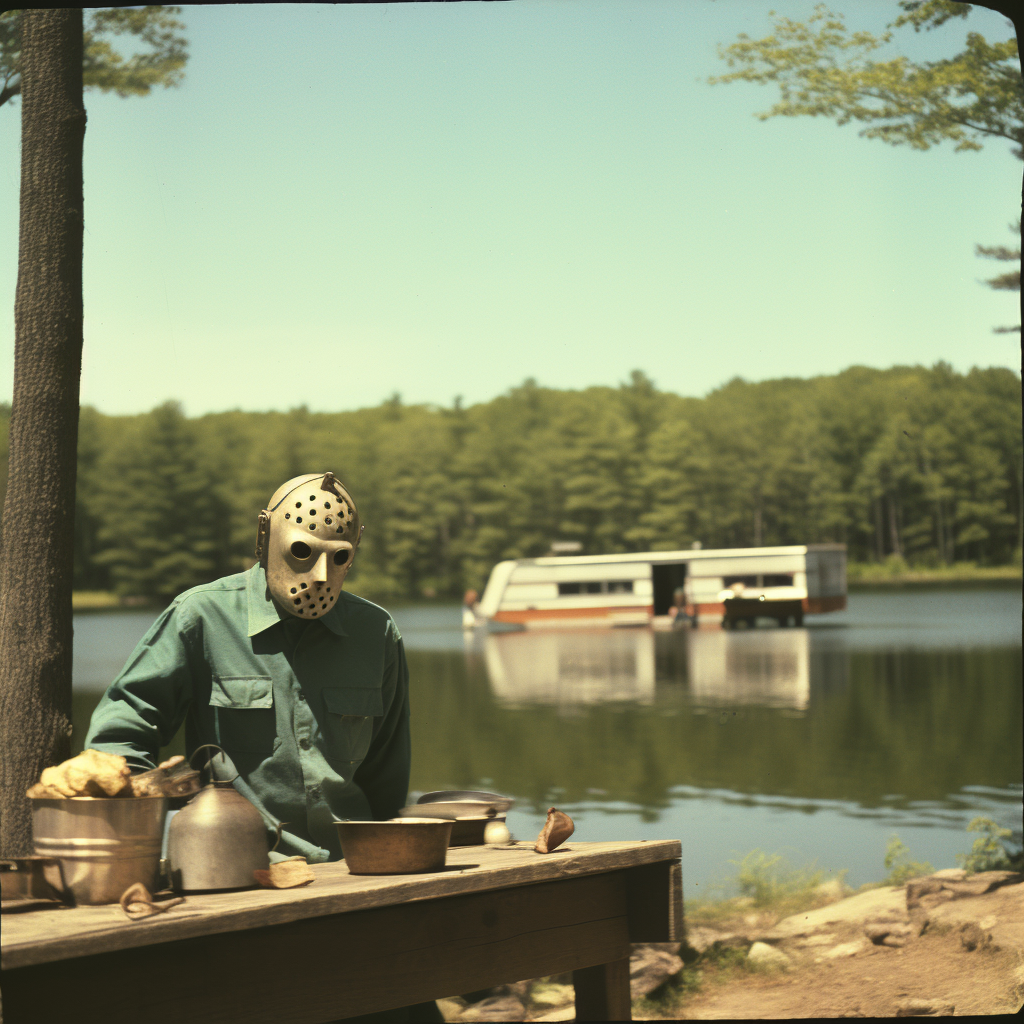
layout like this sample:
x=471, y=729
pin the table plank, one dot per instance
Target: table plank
x=339, y=965
x=60, y=934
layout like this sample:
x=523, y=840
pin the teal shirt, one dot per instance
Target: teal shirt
x=314, y=714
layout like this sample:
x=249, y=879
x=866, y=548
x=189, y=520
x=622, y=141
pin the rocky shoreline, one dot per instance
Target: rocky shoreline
x=977, y=915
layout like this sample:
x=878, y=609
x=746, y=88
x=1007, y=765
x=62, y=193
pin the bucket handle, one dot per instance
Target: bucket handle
x=210, y=762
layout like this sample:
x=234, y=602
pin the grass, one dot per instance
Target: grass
x=764, y=884
x=894, y=571
x=88, y=600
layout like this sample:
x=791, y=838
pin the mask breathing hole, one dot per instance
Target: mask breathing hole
x=312, y=497
x=312, y=526
x=327, y=504
x=340, y=557
x=300, y=550
x=302, y=585
x=293, y=590
x=287, y=515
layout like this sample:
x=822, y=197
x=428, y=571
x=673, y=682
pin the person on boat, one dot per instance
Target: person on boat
x=469, y=603
x=679, y=616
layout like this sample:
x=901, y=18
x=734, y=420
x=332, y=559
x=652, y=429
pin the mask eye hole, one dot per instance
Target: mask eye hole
x=341, y=557
x=300, y=550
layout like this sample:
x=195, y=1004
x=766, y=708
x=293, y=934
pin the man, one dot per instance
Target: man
x=303, y=685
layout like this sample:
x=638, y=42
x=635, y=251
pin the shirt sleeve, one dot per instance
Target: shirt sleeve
x=384, y=774
x=145, y=705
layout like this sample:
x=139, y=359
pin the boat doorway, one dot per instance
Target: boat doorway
x=666, y=579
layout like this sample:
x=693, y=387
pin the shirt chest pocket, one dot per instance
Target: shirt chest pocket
x=347, y=726
x=243, y=711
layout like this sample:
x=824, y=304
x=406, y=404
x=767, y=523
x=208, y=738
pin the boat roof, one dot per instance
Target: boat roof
x=684, y=555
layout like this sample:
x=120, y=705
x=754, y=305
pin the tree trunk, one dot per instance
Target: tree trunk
x=894, y=532
x=37, y=538
x=879, y=543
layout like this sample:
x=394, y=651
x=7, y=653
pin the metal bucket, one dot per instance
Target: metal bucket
x=104, y=845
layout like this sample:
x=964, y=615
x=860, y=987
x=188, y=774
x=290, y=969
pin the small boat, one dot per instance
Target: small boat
x=662, y=588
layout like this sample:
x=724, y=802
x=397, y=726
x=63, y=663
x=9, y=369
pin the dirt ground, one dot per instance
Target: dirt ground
x=939, y=945
x=935, y=967
x=970, y=956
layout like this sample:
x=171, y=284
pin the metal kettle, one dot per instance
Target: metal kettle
x=217, y=839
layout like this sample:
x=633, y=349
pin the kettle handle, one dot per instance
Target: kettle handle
x=208, y=763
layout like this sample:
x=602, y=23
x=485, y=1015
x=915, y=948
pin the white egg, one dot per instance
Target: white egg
x=496, y=833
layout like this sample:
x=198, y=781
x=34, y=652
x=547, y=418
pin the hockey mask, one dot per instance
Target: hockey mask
x=306, y=541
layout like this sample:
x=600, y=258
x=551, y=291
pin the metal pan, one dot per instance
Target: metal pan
x=463, y=797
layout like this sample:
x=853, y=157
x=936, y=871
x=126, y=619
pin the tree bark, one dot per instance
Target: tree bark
x=37, y=536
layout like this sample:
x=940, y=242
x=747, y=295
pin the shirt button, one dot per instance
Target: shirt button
x=304, y=743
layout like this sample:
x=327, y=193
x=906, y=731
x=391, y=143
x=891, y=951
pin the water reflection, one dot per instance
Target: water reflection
x=571, y=667
x=770, y=667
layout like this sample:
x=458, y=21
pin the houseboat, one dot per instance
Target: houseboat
x=729, y=586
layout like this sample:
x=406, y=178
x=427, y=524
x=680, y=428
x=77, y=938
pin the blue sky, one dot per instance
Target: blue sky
x=341, y=202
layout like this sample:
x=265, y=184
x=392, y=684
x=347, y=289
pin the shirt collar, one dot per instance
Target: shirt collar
x=264, y=612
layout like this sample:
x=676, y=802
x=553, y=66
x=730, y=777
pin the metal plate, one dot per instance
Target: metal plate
x=463, y=798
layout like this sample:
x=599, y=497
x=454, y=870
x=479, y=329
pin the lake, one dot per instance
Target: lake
x=900, y=715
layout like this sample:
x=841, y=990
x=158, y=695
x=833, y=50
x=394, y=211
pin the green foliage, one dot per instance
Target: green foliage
x=103, y=67
x=909, y=467
x=770, y=881
x=162, y=526
x=823, y=69
x=990, y=852
x=898, y=865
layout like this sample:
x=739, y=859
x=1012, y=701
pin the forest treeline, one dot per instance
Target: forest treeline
x=912, y=463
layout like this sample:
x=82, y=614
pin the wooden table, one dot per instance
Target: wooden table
x=352, y=944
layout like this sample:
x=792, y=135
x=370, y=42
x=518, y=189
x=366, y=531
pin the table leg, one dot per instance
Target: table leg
x=602, y=992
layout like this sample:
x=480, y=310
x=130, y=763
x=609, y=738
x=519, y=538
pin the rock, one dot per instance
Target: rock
x=763, y=955
x=562, y=1013
x=550, y=995
x=650, y=968
x=495, y=1008
x=890, y=933
x=953, y=874
x=821, y=939
x=833, y=889
x=887, y=903
x=953, y=884
x=845, y=949
x=703, y=939
x=972, y=937
x=923, y=1008
x=1002, y=910
x=451, y=1008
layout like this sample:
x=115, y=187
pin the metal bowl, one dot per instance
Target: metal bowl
x=401, y=846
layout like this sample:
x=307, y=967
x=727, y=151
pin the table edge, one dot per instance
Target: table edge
x=156, y=931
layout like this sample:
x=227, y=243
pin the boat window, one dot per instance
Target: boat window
x=747, y=581
x=614, y=587
x=764, y=580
